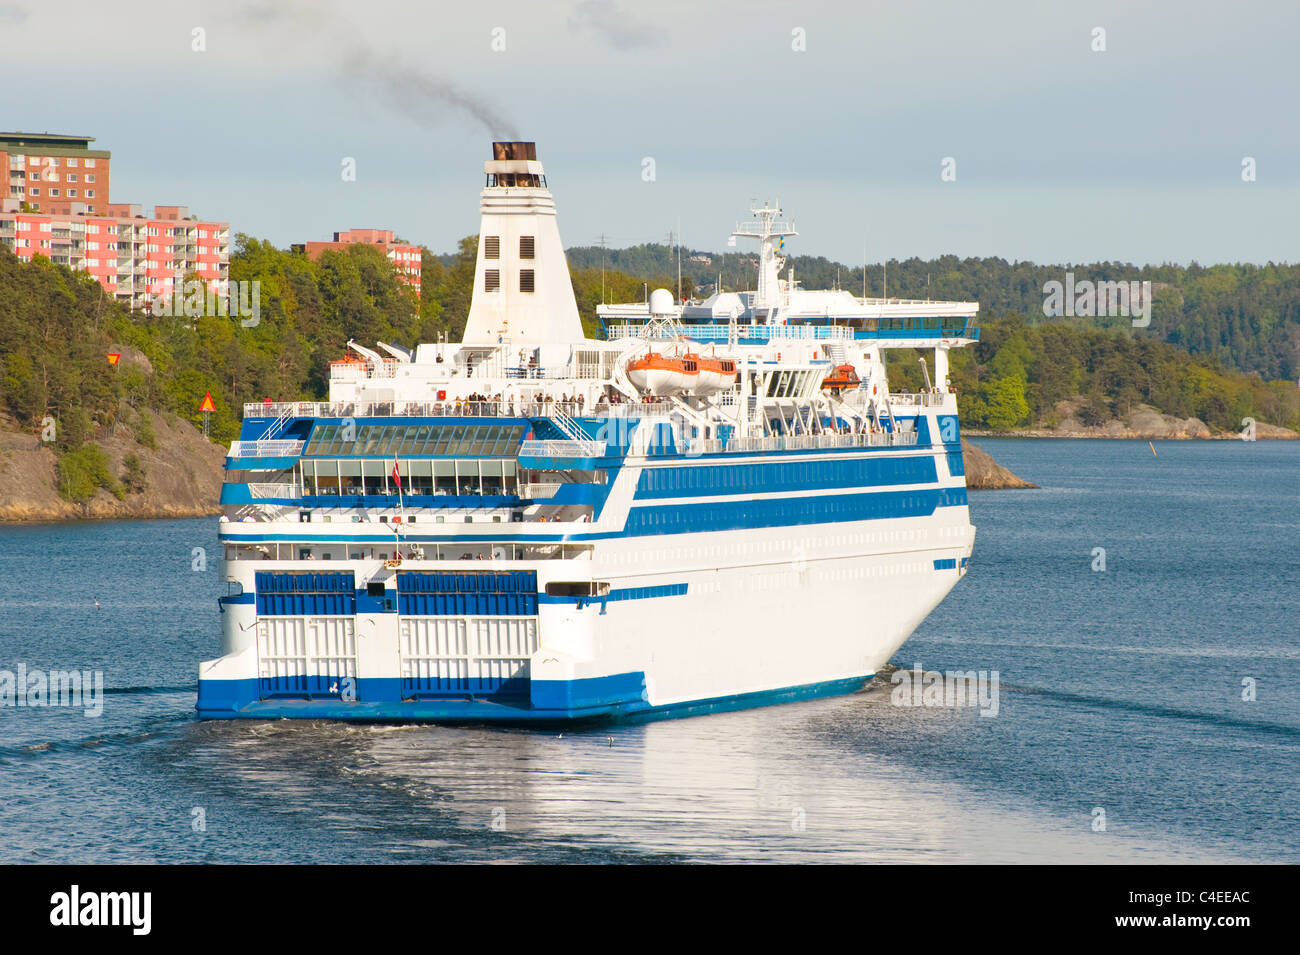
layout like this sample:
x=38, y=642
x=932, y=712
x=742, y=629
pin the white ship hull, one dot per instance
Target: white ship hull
x=578, y=546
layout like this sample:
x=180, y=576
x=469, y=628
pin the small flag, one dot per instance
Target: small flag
x=114, y=357
x=397, y=477
x=208, y=403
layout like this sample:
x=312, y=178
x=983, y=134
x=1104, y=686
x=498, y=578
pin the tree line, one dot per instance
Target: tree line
x=57, y=326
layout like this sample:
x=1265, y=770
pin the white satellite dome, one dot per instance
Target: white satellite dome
x=661, y=302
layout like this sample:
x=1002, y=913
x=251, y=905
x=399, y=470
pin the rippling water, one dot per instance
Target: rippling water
x=1121, y=690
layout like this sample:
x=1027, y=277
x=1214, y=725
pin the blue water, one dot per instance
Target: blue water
x=1121, y=691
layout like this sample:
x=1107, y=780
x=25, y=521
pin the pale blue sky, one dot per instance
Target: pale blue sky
x=1062, y=154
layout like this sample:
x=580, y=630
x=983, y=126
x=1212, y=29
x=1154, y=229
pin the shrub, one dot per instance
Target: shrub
x=83, y=471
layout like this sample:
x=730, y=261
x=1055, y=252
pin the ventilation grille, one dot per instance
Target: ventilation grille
x=526, y=280
x=526, y=247
x=491, y=280
x=492, y=247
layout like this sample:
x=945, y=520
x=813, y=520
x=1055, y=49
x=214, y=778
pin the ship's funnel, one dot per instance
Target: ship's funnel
x=522, y=292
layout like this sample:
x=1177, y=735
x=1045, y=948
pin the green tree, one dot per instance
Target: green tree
x=1006, y=403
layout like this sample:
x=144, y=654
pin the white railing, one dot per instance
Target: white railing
x=532, y=492
x=383, y=409
x=930, y=399
x=806, y=442
x=562, y=449
x=259, y=491
x=265, y=449
x=720, y=332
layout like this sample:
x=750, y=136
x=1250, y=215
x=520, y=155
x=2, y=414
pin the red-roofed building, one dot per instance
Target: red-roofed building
x=405, y=258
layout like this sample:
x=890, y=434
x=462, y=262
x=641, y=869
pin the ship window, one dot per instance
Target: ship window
x=491, y=280
x=526, y=247
x=375, y=588
x=491, y=247
x=444, y=476
x=467, y=476
x=444, y=436
x=526, y=280
x=413, y=439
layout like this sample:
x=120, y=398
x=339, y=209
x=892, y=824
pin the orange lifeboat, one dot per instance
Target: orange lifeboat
x=661, y=375
x=716, y=374
x=844, y=376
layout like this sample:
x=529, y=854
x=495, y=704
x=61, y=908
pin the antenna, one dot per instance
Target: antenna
x=679, y=259
x=602, y=268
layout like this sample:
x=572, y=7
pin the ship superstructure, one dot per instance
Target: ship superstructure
x=718, y=504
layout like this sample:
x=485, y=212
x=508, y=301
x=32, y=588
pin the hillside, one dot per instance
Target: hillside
x=1245, y=317
x=181, y=477
x=84, y=437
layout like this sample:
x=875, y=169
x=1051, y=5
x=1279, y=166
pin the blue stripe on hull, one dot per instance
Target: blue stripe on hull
x=784, y=512
x=616, y=698
x=784, y=477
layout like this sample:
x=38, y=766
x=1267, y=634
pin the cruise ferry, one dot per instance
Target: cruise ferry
x=717, y=504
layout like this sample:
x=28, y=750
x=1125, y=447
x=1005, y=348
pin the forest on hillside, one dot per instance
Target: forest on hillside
x=1245, y=317
x=57, y=326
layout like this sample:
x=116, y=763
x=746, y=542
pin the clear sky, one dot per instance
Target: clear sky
x=1062, y=153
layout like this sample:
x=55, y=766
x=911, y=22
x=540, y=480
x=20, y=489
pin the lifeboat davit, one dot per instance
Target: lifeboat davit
x=661, y=375
x=716, y=374
x=844, y=376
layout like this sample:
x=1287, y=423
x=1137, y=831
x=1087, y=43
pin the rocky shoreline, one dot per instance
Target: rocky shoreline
x=1143, y=423
x=182, y=476
x=985, y=474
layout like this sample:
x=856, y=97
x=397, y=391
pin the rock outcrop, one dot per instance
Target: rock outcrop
x=182, y=476
x=985, y=474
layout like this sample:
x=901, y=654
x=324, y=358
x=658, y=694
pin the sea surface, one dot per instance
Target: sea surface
x=1148, y=711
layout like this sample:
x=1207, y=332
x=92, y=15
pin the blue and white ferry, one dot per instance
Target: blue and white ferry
x=720, y=504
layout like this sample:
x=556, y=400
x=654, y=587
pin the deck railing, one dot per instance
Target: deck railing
x=265, y=449
x=562, y=449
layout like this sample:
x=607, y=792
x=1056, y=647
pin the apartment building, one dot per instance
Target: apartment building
x=52, y=172
x=135, y=257
x=405, y=258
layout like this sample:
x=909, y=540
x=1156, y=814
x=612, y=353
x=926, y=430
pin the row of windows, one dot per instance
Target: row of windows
x=492, y=247
x=492, y=280
x=328, y=478
x=785, y=476
x=464, y=440
x=51, y=161
x=72, y=193
x=54, y=177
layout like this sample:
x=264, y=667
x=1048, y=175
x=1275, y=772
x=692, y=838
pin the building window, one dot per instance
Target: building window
x=70, y=163
x=89, y=164
x=72, y=193
x=491, y=280
x=54, y=192
x=35, y=190
x=526, y=280
x=492, y=247
x=72, y=177
x=526, y=247
x=90, y=177
x=90, y=193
